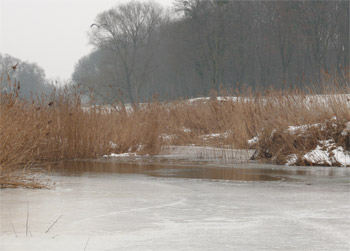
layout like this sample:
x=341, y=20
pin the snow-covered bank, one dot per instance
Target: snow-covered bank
x=325, y=143
x=327, y=153
x=331, y=152
x=332, y=139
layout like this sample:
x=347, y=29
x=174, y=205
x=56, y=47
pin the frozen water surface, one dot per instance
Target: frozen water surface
x=111, y=206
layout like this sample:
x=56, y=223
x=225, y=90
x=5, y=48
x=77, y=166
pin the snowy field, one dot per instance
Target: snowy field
x=303, y=209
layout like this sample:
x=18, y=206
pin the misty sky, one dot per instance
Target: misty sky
x=52, y=33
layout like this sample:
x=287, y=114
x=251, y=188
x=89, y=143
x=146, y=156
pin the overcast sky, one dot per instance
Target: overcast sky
x=52, y=33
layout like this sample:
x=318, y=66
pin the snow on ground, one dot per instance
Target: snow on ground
x=210, y=136
x=302, y=128
x=322, y=99
x=253, y=140
x=186, y=130
x=167, y=137
x=227, y=98
x=120, y=155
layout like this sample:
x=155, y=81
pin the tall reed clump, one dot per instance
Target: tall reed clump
x=72, y=131
x=138, y=130
x=59, y=127
x=21, y=139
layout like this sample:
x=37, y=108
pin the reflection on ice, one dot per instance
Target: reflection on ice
x=238, y=172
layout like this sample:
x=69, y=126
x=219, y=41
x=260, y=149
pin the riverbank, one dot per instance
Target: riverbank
x=283, y=127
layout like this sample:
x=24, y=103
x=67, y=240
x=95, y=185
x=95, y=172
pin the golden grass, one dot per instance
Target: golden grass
x=59, y=127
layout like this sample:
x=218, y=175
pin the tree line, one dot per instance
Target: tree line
x=141, y=49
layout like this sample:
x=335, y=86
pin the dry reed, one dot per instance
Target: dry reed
x=59, y=127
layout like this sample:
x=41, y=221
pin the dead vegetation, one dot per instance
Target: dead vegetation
x=59, y=127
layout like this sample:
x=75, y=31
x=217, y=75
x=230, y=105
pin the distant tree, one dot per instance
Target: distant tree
x=284, y=32
x=94, y=75
x=240, y=37
x=318, y=22
x=341, y=42
x=30, y=76
x=208, y=28
x=130, y=32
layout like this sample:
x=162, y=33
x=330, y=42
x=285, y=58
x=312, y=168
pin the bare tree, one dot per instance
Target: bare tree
x=317, y=20
x=130, y=32
x=241, y=29
x=208, y=26
x=283, y=22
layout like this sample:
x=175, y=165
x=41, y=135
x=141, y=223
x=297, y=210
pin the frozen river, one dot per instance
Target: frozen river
x=110, y=206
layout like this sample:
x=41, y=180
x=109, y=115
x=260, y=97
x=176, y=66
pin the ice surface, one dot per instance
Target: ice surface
x=111, y=211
